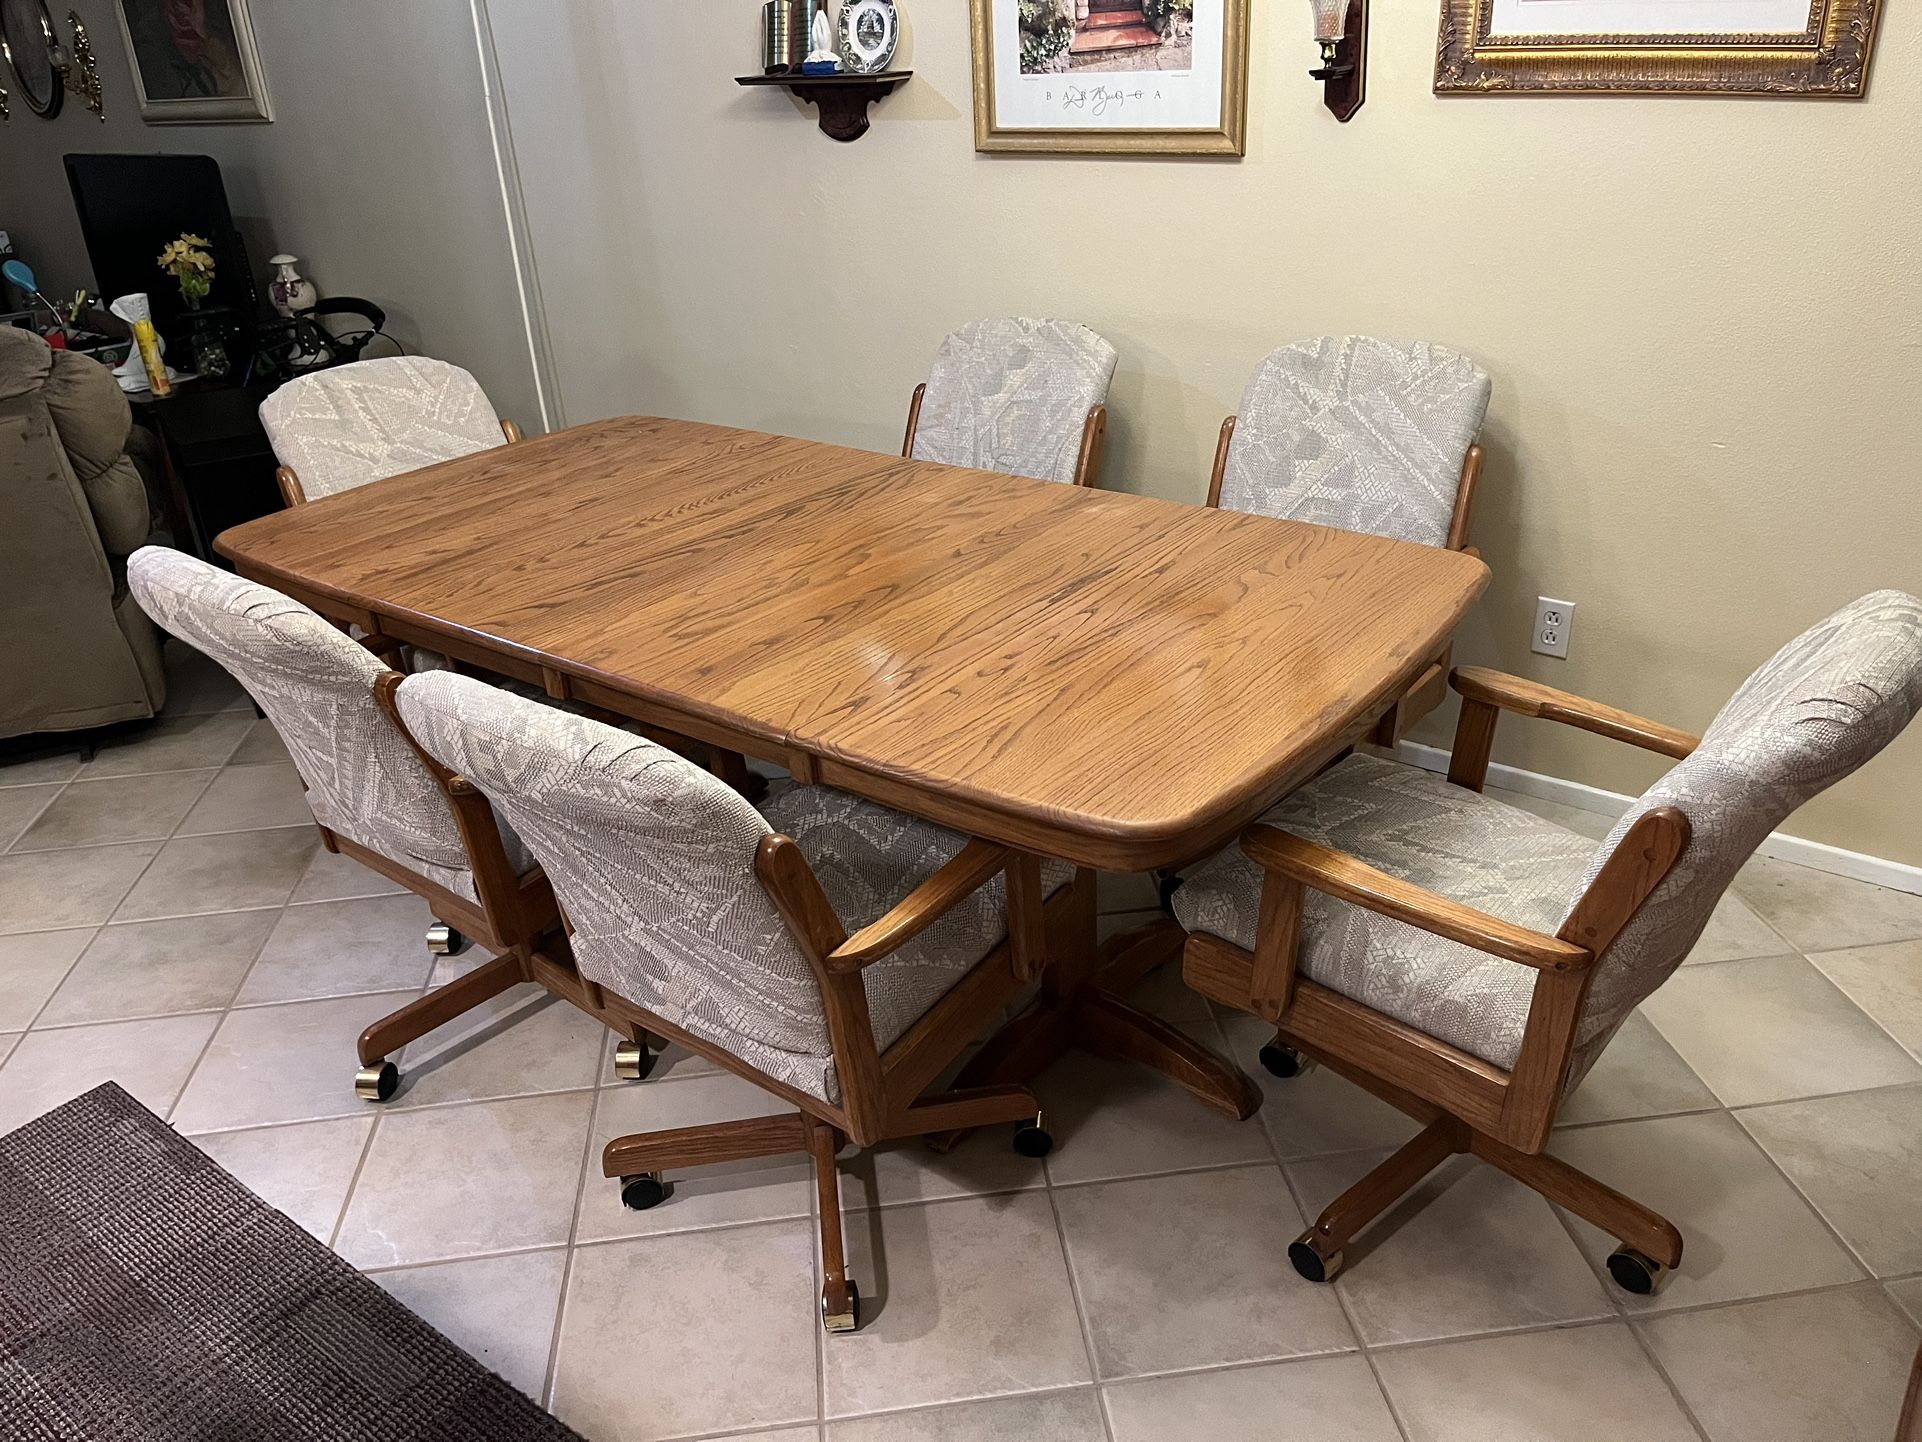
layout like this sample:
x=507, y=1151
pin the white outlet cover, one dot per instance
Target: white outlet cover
x=1553, y=621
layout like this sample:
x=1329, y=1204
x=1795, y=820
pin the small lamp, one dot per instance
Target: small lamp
x=1341, y=29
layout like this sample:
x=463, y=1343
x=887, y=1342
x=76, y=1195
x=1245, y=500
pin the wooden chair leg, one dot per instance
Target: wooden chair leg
x=644, y=1152
x=965, y=1109
x=440, y=1006
x=1651, y=1246
x=840, y=1297
x=1317, y=1253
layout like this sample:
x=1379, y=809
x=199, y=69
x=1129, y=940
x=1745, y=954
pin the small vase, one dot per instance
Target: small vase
x=290, y=291
x=211, y=360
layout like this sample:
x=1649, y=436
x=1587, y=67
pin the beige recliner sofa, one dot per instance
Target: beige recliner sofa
x=75, y=650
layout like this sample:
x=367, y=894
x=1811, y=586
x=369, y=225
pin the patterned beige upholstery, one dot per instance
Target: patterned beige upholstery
x=653, y=861
x=345, y=427
x=1412, y=824
x=1821, y=707
x=1367, y=435
x=1014, y=396
x=363, y=779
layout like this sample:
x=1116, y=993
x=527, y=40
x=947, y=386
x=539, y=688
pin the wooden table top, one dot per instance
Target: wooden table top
x=1107, y=678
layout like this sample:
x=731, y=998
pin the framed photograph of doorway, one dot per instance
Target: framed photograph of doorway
x=1656, y=47
x=1111, y=77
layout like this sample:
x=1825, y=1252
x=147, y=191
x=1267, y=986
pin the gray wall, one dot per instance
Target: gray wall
x=378, y=171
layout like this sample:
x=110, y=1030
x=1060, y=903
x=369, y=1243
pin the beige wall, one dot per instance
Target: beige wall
x=1704, y=316
x=378, y=171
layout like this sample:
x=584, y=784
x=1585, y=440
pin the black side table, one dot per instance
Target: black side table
x=219, y=465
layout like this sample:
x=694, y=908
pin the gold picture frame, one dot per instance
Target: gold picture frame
x=1229, y=138
x=1830, y=58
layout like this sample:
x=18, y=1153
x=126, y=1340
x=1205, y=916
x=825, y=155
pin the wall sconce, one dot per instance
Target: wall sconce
x=1341, y=29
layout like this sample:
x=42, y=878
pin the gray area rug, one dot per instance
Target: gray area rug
x=146, y=1296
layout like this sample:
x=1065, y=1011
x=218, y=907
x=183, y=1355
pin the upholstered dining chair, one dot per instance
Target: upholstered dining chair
x=373, y=795
x=839, y=954
x=1365, y=435
x=1026, y=397
x=337, y=429
x=1467, y=962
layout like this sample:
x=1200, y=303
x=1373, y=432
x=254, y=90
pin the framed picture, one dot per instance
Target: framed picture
x=1108, y=77
x=194, y=61
x=1725, y=47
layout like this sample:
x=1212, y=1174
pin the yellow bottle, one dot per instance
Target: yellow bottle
x=148, y=340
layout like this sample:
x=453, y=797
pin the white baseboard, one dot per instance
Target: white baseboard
x=1817, y=855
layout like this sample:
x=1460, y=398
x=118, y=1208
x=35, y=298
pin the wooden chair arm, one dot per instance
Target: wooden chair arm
x=1532, y=698
x=978, y=863
x=1349, y=878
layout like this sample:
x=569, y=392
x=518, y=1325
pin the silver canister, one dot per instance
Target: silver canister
x=777, y=36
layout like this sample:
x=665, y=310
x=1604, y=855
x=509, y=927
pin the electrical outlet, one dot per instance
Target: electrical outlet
x=1553, y=621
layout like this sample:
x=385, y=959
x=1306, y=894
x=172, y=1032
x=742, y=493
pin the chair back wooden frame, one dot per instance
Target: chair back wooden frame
x=1087, y=466
x=1431, y=686
x=1466, y=1104
x=292, y=493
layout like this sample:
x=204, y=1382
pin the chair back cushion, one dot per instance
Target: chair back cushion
x=1014, y=396
x=1364, y=434
x=1819, y=708
x=363, y=779
x=653, y=862
x=341, y=428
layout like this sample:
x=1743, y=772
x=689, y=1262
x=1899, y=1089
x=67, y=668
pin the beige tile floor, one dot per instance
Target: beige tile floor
x=166, y=919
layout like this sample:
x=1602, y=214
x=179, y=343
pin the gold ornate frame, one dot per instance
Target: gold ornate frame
x=1230, y=138
x=1829, y=59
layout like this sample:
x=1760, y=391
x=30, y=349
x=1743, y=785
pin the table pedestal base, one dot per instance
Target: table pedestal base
x=1087, y=1011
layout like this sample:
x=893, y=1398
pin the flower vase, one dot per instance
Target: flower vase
x=290, y=291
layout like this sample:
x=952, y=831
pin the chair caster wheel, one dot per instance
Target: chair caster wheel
x=1636, y=1272
x=633, y=1061
x=847, y=1321
x=376, y=1083
x=1283, y=1061
x=1311, y=1261
x=642, y=1193
x=443, y=940
x=1033, y=1140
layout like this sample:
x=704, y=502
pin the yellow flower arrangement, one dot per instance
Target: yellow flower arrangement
x=189, y=261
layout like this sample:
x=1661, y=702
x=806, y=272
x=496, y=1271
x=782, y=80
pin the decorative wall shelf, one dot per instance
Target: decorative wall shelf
x=843, y=100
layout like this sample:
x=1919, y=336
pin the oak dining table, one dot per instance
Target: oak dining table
x=1112, y=680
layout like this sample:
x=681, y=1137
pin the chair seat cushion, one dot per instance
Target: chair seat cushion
x=1414, y=825
x=868, y=858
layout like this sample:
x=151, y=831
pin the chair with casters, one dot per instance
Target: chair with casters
x=373, y=795
x=1468, y=962
x=1364, y=435
x=838, y=954
x=337, y=429
x=1024, y=397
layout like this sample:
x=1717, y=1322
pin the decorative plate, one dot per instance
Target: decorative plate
x=870, y=29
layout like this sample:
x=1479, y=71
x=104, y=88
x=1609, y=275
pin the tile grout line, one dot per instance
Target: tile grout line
x=213, y=772
x=1622, y=1315
x=1873, y=1020
x=1341, y=1298
x=550, y=1374
x=59, y=790
x=1081, y=1316
x=215, y=1030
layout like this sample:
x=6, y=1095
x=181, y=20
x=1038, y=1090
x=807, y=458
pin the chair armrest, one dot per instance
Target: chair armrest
x=1532, y=698
x=978, y=863
x=1349, y=878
